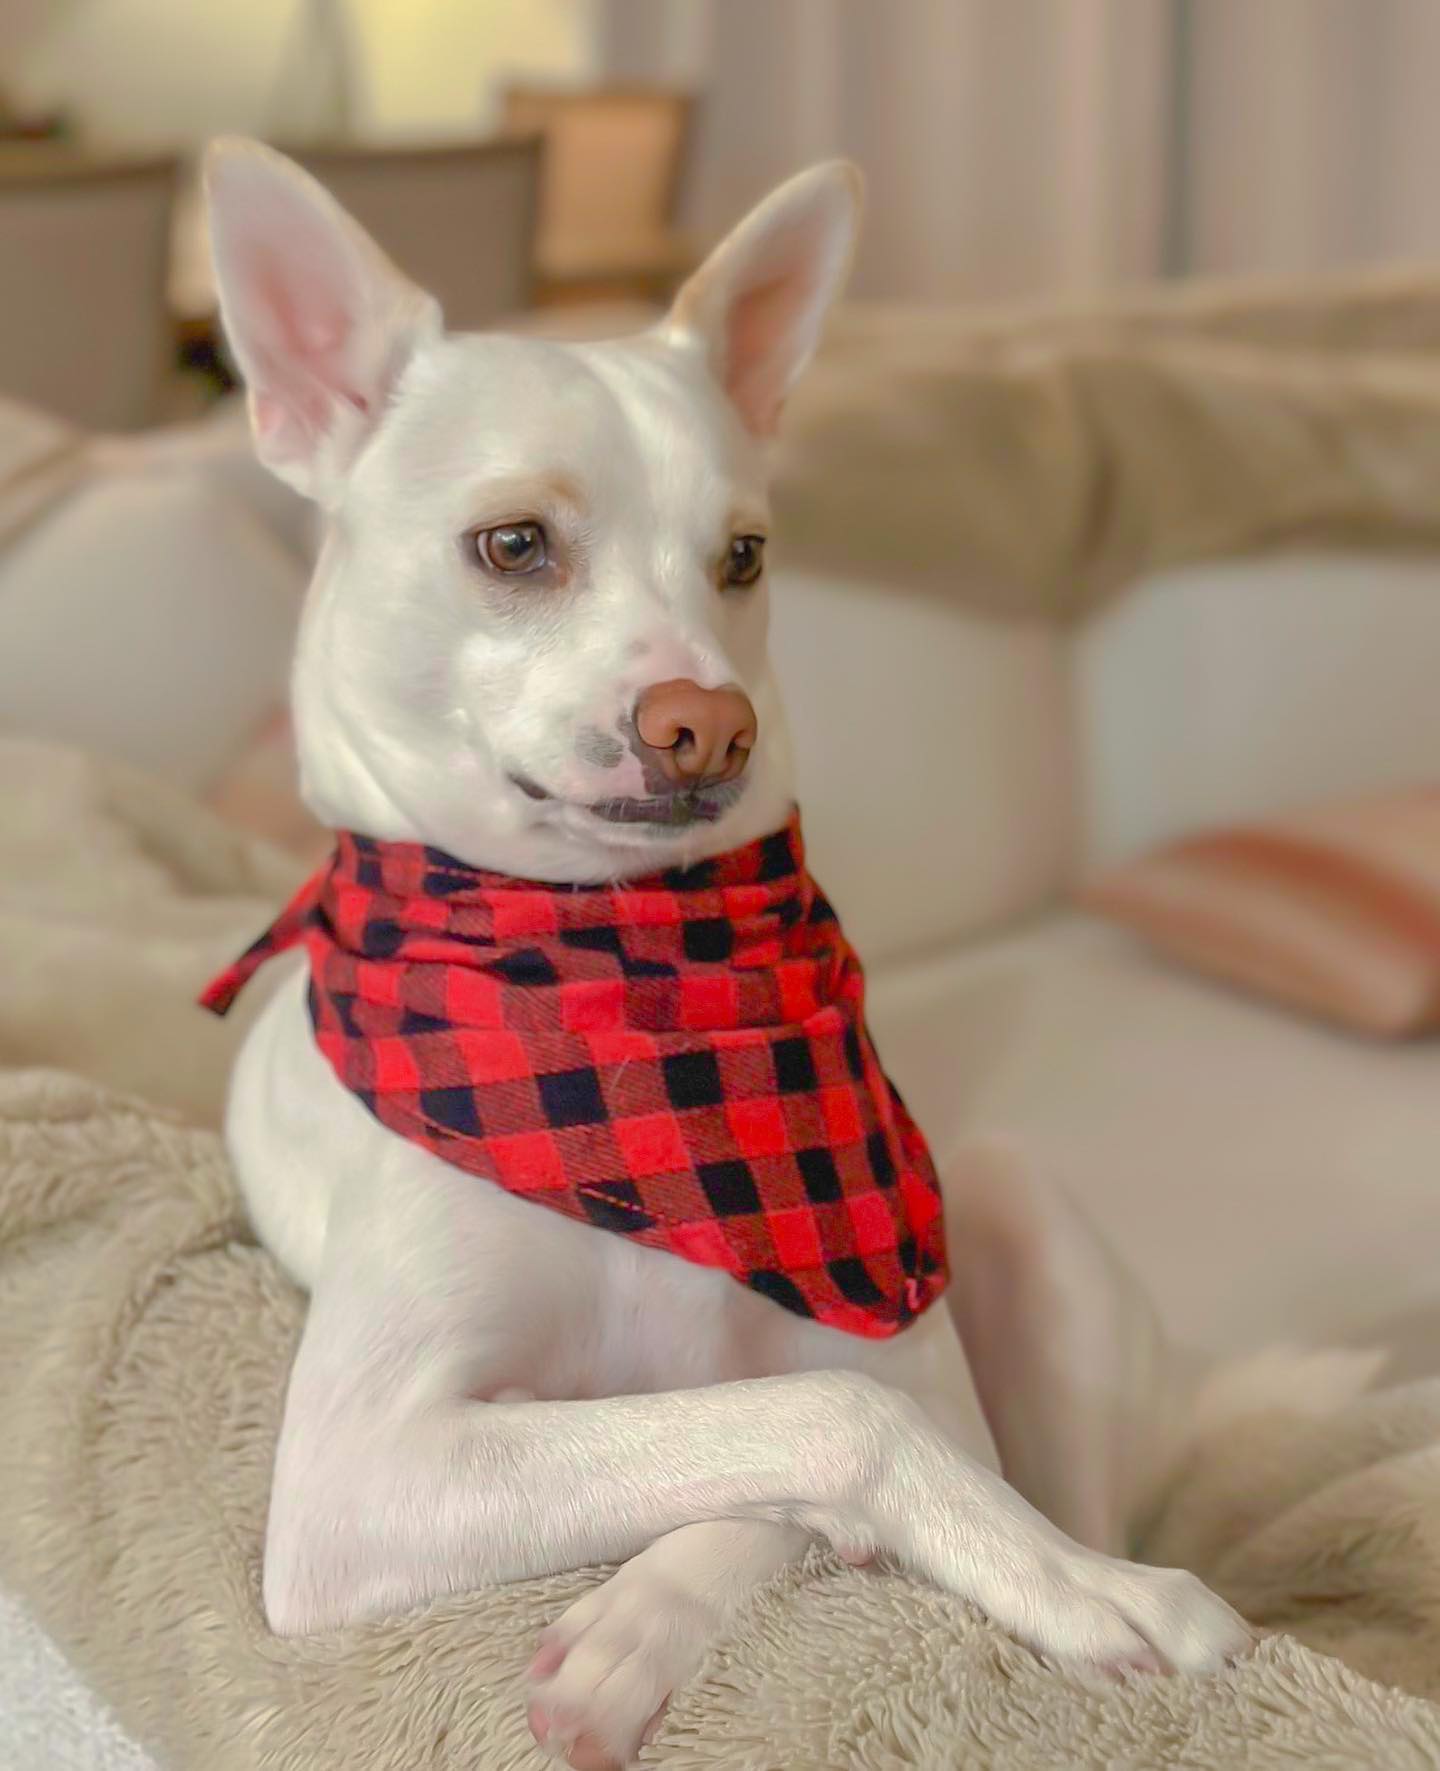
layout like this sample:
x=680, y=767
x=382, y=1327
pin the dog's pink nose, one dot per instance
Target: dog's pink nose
x=695, y=735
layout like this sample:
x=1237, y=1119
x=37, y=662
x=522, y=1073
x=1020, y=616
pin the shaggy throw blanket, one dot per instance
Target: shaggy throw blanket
x=1037, y=463
x=144, y=1345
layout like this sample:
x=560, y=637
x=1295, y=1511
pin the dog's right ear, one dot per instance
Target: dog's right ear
x=320, y=321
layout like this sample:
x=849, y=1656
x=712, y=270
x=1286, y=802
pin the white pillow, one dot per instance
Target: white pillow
x=148, y=615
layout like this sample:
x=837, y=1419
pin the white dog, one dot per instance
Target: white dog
x=536, y=641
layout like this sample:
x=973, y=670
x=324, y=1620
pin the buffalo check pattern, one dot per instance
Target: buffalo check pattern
x=680, y=1059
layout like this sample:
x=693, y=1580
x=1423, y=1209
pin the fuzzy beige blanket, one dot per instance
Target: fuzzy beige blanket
x=144, y=1345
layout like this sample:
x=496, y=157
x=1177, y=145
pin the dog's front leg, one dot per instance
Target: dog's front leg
x=394, y=1483
x=387, y=1494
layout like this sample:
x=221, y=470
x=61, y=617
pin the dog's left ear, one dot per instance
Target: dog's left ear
x=758, y=302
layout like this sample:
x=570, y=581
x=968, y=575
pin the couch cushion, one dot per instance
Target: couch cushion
x=1267, y=1178
x=1246, y=687
x=150, y=616
x=1333, y=910
x=933, y=757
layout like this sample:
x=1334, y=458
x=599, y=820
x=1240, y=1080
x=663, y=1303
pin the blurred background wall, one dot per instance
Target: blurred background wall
x=153, y=71
x=1037, y=146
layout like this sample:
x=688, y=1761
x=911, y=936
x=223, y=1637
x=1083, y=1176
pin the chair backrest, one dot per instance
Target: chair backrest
x=458, y=219
x=84, y=248
x=614, y=158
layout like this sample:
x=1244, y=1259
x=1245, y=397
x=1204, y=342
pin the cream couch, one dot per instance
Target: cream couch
x=965, y=757
x=1271, y=1179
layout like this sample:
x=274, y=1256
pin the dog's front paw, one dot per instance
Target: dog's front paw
x=603, y=1673
x=1123, y=1616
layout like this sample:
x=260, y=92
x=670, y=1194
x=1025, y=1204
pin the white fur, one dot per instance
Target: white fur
x=486, y=1390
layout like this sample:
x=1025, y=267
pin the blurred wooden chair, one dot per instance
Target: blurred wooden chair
x=84, y=249
x=614, y=162
x=457, y=219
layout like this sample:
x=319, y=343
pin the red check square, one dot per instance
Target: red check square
x=394, y=1065
x=350, y=910
x=491, y=1057
x=709, y=1001
x=429, y=913
x=798, y=995
x=874, y=1227
x=758, y=1127
x=842, y=1115
x=651, y=1145
x=378, y=983
x=796, y=1237
x=620, y=1047
x=592, y=1003
x=523, y=913
x=922, y=1205
x=472, y=1000
x=529, y=1162
x=758, y=955
x=648, y=910
x=703, y=1241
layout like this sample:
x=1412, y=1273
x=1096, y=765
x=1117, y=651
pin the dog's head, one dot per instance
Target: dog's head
x=536, y=634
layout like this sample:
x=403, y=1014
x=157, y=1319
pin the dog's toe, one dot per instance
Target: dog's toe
x=603, y=1674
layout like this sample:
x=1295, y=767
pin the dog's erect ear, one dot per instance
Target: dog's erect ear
x=758, y=302
x=320, y=321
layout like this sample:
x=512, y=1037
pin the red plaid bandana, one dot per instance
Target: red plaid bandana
x=681, y=1059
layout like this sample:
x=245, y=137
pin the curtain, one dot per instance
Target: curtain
x=1020, y=147
x=1313, y=135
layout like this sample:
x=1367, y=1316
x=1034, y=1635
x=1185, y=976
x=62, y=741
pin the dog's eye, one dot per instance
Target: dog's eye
x=746, y=559
x=513, y=549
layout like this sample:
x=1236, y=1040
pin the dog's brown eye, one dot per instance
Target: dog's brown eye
x=746, y=559
x=513, y=549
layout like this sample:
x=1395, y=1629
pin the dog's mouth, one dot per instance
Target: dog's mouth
x=660, y=813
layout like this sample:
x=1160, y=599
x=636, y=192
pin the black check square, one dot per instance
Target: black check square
x=454, y=1108
x=877, y=1148
x=851, y=1275
x=776, y=859
x=820, y=1175
x=709, y=940
x=572, y=1097
x=730, y=1188
x=382, y=938
x=692, y=1079
x=779, y=1290
x=795, y=1067
x=443, y=879
x=601, y=940
x=527, y=966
